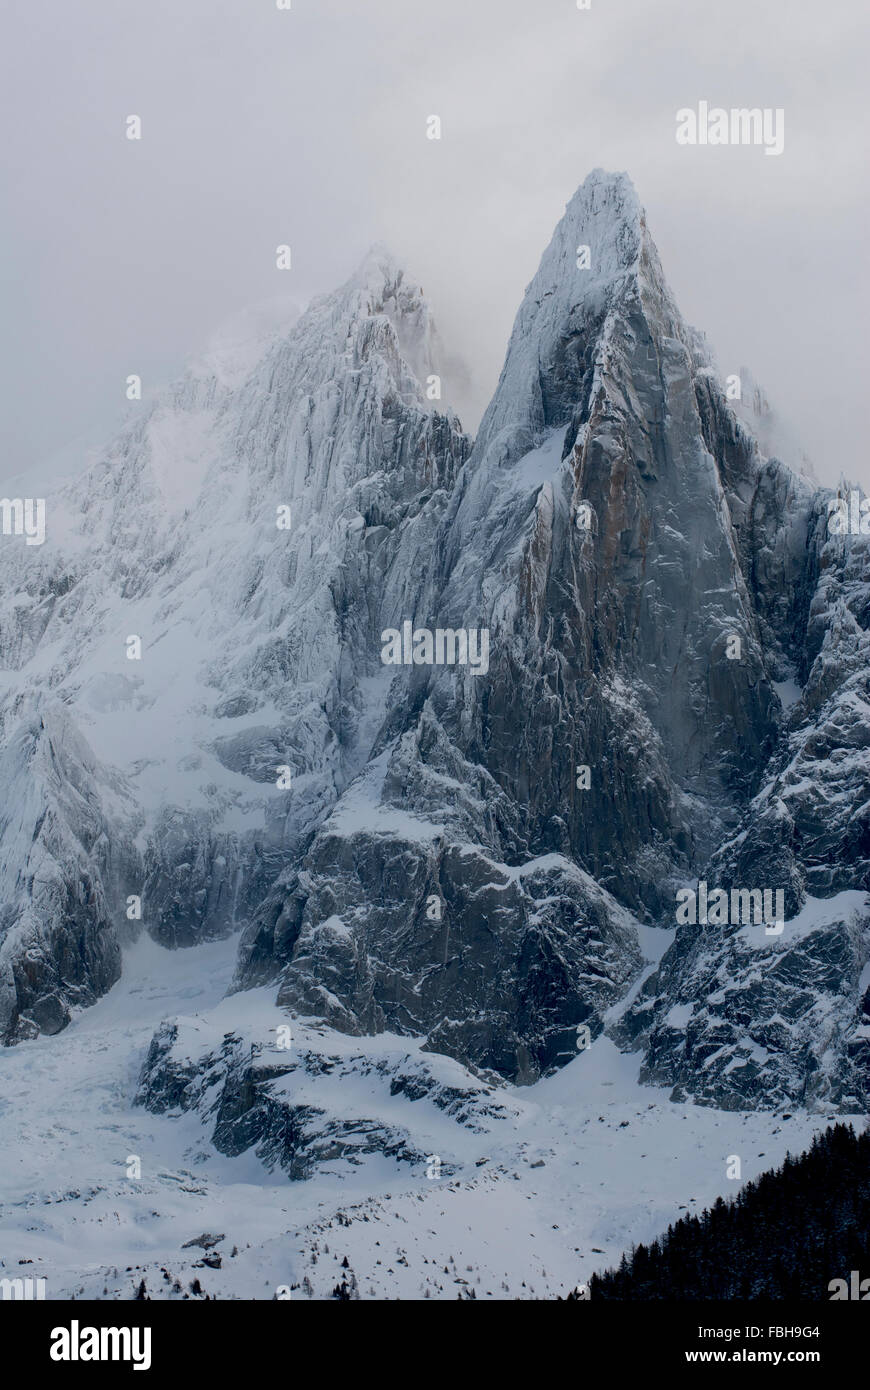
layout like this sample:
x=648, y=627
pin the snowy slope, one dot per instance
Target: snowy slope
x=438, y=906
x=578, y=1167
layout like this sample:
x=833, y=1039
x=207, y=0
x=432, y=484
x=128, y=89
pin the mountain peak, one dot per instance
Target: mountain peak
x=599, y=255
x=605, y=215
x=379, y=266
x=382, y=288
x=607, y=192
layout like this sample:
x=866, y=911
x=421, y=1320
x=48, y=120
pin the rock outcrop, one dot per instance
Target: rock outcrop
x=673, y=686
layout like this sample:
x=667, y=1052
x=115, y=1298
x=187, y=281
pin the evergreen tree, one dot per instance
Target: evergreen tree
x=784, y=1236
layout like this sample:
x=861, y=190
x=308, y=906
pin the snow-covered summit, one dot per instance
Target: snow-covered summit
x=246, y=532
x=466, y=858
x=600, y=255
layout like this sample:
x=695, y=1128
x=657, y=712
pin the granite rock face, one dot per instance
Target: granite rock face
x=674, y=688
x=592, y=535
x=66, y=850
x=319, y=1101
x=402, y=923
x=248, y=529
x=742, y=1020
x=766, y=1020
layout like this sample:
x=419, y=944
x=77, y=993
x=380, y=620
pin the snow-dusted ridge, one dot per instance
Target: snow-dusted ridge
x=258, y=644
x=442, y=903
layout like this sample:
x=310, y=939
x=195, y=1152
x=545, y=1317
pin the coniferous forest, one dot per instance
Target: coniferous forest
x=787, y=1235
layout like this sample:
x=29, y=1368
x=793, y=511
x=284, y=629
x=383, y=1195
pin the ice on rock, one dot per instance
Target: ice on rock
x=259, y=644
x=469, y=860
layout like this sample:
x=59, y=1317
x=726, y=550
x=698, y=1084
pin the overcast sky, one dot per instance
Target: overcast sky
x=308, y=127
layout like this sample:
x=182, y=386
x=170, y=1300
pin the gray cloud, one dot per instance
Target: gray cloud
x=308, y=127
